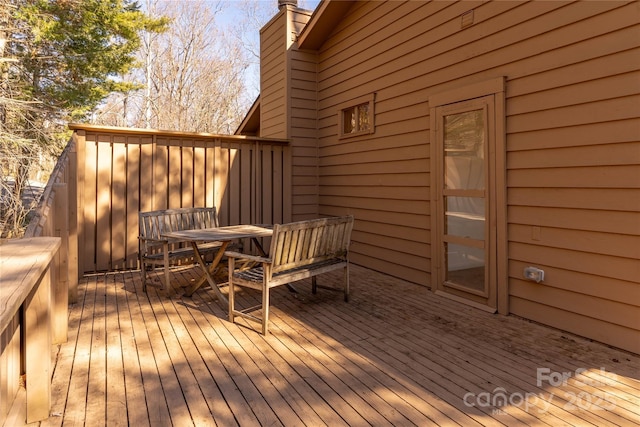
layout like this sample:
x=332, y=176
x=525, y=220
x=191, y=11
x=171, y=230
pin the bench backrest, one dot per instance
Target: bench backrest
x=302, y=243
x=154, y=223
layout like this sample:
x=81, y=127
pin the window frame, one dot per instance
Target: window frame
x=354, y=104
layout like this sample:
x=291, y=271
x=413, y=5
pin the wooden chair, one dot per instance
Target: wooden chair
x=155, y=250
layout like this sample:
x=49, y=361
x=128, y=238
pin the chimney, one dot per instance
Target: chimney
x=284, y=3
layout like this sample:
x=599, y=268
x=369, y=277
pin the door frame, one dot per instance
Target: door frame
x=497, y=246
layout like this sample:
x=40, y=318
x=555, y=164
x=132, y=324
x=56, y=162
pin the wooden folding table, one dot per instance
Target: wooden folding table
x=224, y=235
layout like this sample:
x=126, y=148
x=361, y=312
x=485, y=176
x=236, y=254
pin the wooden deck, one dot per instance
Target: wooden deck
x=395, y=355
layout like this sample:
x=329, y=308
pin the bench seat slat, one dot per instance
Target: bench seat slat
x=256, y=274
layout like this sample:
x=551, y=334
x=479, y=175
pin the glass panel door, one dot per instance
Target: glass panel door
x=468, y=196
x=464, y=199
x=463, y=206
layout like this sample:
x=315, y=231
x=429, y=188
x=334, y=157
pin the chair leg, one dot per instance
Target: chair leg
x=265, y=309
x=231, y=297
x=167, y=273
x=144, y=276
x=314, y=285
x=346, y=283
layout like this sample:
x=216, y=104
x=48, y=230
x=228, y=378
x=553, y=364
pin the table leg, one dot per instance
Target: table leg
x=206, y=270
x=256, y=242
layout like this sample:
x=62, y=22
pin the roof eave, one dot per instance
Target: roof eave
x=251, y=123
x=322, y=22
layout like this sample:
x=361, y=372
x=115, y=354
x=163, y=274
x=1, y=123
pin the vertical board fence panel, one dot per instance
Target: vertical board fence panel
x=174, y=174
x=133, y=187
x=208, y=181
x=246, y=187
x=104, y=190
x=233, y=185
x=187, y=190
x=265, y=190
x=60, y=223
x=160, y=166
x=222, y=182
x=73, y=209
x=88, y=205
x=198, y=182
x=125, y=171
x=147, y=148
x=119, y=202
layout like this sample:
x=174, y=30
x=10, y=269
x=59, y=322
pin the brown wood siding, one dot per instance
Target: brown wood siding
x=273, y=78
x=573, y=153
x=300, y=121
x=290, y=75
x=303, y=107
x=125, y=173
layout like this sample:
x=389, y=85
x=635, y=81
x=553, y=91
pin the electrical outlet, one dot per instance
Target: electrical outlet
x=533, y=273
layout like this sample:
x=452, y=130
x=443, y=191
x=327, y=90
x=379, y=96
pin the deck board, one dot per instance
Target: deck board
x=396, y=354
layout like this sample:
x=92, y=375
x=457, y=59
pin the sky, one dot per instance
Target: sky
x=233, y=12
x=233, y=8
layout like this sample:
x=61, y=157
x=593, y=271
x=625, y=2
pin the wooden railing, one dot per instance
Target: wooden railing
x=38, y=275
x=87, y=221
x=124, y=171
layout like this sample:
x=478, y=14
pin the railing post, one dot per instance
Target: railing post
x=72, y=209
x=61, y=263
x=81, y=148
x=37, y=349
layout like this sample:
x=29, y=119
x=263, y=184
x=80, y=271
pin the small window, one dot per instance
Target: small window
x=357, y=119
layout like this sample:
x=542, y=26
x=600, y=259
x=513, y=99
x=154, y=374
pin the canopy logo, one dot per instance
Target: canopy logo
x=569, y=397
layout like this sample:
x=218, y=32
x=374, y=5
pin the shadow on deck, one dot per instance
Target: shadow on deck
x=395, y=355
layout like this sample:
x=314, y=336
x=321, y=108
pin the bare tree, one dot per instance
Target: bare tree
x=254, y=15
x=193, y=76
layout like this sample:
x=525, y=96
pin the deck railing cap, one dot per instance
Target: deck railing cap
x=160, y=132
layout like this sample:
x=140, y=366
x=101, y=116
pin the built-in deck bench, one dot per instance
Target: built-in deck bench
x=158, y=250
x=299, y=250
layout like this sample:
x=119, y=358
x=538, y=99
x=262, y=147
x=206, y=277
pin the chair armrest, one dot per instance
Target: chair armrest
x=232, y=254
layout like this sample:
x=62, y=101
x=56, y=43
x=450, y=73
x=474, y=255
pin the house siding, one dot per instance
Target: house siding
x=288, y=104
x=273, y=117
x=302, y=130
x=572, y=137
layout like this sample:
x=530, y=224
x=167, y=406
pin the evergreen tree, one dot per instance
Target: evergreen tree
x=58, y=60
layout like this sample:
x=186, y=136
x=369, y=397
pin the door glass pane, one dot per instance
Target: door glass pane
x=465, y=217
x=464, y=149
x=465, y=266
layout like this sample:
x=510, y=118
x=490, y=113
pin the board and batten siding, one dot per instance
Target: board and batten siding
x=122, y=172
x=572, y=72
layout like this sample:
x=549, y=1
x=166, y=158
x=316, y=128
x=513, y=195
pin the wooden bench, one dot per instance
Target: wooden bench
x=298, y=250
x=158, y=250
